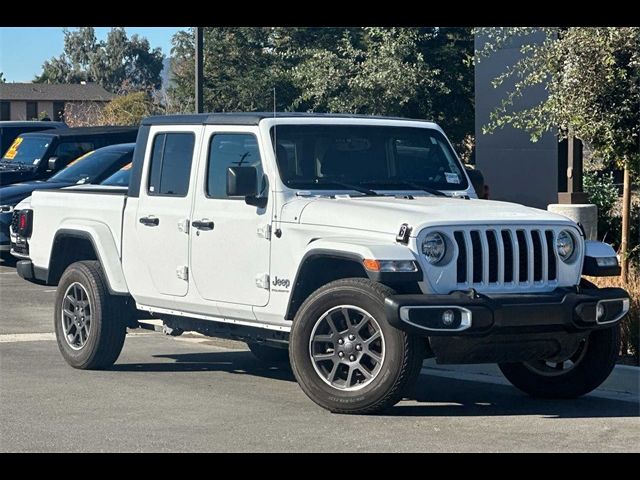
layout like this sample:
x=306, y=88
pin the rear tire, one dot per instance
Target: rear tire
x=593, y=365
x=90, y=323
x=269, y=354
x=336, y=337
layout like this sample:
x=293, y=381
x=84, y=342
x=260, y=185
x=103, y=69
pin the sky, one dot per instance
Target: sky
x=24, y=49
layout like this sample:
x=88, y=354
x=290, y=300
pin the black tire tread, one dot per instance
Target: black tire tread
x=113, y=328
x=411, y=361
x=586, y=376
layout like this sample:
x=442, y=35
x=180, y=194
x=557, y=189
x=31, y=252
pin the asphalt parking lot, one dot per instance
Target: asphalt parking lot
x=194, y=394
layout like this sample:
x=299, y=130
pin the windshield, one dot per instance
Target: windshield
x=373, y=157
x=27, y=150
x=90, y=166
x=120, y=178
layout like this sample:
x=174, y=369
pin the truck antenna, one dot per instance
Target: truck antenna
x=275, y=138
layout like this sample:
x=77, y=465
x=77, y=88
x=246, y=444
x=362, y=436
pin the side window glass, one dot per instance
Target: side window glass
x=170, y=169
x=231, y=150
x=72, y=150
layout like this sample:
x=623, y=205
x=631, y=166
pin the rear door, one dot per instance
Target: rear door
x=161, y=221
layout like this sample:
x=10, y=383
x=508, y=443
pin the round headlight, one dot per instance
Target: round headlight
x=565, y=245
x=434, y=247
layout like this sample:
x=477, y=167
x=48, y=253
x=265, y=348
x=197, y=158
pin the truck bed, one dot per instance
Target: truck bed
x=58, y=209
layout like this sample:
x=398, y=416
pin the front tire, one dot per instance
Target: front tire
x=587, y=368
x=345, y=355
x=90, y=323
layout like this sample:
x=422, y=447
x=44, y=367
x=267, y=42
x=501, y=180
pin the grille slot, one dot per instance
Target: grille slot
x=551, y=255
x=461, y=262
x=476, y=249
x=505, y=256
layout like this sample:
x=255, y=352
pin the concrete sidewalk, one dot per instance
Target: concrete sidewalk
x=622, y=384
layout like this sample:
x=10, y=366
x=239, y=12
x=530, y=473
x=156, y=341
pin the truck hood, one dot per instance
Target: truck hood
x=387, y=214
x=14, y=175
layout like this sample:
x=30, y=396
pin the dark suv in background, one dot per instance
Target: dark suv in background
x=37, y=156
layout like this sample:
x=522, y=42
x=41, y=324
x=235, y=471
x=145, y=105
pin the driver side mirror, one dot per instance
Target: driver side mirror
x=243, y=182
x=55, y=163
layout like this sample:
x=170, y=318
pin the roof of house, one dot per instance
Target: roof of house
x=249, y=118
x=54, y=91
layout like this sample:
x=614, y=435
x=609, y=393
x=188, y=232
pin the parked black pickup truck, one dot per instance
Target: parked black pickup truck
x=38, y=155
x=9, y=130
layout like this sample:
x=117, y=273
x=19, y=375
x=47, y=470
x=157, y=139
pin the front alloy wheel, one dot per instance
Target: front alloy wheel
x=347, y=347
x=345, y=355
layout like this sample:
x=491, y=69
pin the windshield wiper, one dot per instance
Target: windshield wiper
x=357, y=188
x=404, y=183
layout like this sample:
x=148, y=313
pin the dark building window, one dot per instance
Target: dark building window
x=5, y=110
x=32, y=110
x=58, y=111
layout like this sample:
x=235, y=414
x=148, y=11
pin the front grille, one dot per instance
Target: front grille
x=505, y=256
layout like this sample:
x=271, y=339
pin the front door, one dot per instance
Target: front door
x=161, y=222
x=230, y=245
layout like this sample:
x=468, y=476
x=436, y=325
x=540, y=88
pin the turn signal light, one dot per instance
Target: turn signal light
x=389, y=265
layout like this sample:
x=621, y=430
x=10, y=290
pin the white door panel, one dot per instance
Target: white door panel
x=166, y=194
x=227, y=259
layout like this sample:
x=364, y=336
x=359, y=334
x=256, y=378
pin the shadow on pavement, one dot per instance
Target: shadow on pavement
x=436, y=396
x=240, y=362
x=7, y=260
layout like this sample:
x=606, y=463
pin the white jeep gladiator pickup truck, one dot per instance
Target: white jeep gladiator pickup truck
x=353, y=246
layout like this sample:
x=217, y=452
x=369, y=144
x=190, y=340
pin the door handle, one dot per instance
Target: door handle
x=203, y=224
x=150, y=221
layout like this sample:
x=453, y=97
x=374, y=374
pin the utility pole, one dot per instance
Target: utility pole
x=626, y=215
x=199, y=69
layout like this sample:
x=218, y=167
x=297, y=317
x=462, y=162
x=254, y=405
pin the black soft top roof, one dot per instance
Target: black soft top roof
x=81, y=131
x=244, y=118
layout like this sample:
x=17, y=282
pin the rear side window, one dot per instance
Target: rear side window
x=72, y=150
x=171, y=157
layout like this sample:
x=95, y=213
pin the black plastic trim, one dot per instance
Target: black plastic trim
x=64, y=232
x=138, y=161
x=591, y=268
x=384, y=277
x=28, y=271
x=561, y=310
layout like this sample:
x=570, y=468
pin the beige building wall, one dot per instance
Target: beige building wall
x=18, y=110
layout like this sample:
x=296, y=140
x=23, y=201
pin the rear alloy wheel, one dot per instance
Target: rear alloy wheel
x=345, y=355
x=89, y=322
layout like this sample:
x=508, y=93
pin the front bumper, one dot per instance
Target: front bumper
x=506, y=328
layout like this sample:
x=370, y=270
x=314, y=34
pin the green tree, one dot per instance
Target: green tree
x=120, y=64
x=129, y=109
x=592, y=76
x=240, y=70
x=413, y=72
x=2, y=79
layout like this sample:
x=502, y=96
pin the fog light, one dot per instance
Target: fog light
x=600, y=311
x=448, y=318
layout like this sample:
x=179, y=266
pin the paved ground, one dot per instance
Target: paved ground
x=192, y=394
